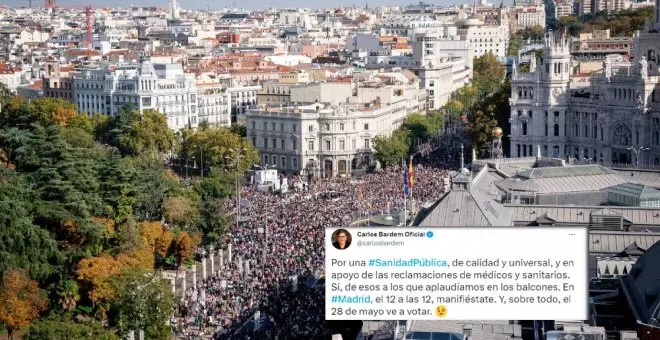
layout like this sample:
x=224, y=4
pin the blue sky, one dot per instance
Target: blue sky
x=202, y=4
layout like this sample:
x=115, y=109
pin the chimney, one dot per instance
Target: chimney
x=462, y=160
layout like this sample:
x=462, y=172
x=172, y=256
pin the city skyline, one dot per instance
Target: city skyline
x=238, y=5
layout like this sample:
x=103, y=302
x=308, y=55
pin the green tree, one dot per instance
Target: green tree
x=422, y=127
x=391, y=150
x=488, y=73
x=144, y=301
x=149, y=135
x=238, y=129
x=59, y=328
x=22, y=243
x=5, y=95
x=214, y=217
x=493, y=111
x=49, y=111
x=217, y=147
x=67, y=292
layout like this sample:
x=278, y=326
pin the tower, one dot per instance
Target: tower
x=49, y=3
x=174, y=10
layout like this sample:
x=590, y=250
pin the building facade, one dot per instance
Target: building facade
x=321, y=139
x=213, y=104
x=614, y=117
x=162, y=87
x=437, y=60
x=529, y=16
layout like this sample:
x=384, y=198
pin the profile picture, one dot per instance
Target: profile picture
x=341, y=239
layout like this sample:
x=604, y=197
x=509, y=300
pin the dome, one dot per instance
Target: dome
x=476, y=16
x=474, y=20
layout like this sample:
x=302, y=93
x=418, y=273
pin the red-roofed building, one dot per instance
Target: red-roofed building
x=10, y=76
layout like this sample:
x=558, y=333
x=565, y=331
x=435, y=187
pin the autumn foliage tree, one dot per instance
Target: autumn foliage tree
x=21, y=300
x=49, y=111
x=185, y=248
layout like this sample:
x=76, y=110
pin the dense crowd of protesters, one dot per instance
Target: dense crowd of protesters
x=281, y=238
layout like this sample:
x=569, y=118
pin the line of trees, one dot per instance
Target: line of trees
x=621, y=24
x=90, y=211
x=481, y=106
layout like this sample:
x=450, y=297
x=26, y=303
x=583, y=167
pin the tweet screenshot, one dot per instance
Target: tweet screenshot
x=456, y=273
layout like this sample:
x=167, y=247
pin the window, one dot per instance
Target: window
x=265, y=126
x=266, y=160
x=295, y=163
x=273, y=126
x=367, y=145
x=366, y=126
x=556, y=128
x=327, y=145
x=295, y=145
x=342, y=145
x=294, y=127
x=281, y=126
x=311, y=128
x=254, y=125
x=546, y=129
x=327, y=126
x=274, y=143
x=265, y=143
x=283, y=164
x=524, y=128
x=353, y=144
x=310, y=145
x=254, y=141
x=283, y=143
x=341, y=126
x=431, y=83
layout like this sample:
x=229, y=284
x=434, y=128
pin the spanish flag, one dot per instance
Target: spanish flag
x=410, y=173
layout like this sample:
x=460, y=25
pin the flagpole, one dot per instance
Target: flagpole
x=411, y=177
x=405, y=197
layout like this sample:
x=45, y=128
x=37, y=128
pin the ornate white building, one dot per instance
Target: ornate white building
x=608, y=118
x=162, y=87
x=321, y=139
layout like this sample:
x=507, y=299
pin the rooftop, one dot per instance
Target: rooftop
x=642, y=192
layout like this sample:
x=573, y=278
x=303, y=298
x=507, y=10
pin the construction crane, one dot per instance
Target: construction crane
x=89, y=14
x=88, y=18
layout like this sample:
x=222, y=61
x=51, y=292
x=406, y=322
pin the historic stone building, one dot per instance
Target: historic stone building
x=611, y=118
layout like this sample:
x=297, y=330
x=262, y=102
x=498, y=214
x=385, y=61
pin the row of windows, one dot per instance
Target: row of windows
x=294, y=127
x=623, y=94
x=310, y=128
x=525, y=92
x=282, y=161
x=327, y=145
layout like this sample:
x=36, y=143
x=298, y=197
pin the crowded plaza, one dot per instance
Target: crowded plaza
x=278, y=243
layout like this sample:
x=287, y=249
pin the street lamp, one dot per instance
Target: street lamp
x=238, y=154
x=187, y=160
x=637, y=152
x=201, y=162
